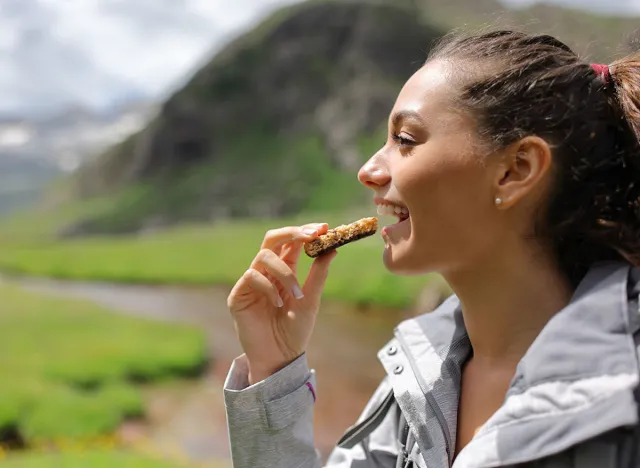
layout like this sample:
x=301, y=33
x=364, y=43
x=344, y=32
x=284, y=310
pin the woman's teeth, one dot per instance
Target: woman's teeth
x=388, y=210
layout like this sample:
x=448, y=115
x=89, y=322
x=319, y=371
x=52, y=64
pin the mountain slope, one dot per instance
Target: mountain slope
x=279, y=121
x=271, y=124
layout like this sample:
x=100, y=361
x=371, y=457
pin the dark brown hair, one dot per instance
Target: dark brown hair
x=518, y=85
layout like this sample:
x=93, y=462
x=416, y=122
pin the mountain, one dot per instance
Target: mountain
x=274, y=124
x=281, y=118
x=36, y=151
x=23, y=180
x=77, y=134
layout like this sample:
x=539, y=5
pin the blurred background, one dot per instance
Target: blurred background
x=145, y=147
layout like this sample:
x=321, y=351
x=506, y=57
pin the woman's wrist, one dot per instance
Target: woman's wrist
x=262, y=371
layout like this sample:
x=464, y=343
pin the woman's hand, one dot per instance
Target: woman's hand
x=274, y=316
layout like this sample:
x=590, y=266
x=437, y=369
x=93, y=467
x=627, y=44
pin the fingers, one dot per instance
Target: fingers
x=268, y=266
x=291, y=252
x=276, y=238
x=258, y=282
x=253, y=280
x=321, y=228
x=269, y=262
x=318, y=274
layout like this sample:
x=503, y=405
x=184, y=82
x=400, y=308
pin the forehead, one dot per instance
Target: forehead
x=430, y=93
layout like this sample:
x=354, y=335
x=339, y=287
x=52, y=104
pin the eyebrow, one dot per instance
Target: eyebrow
x=400, y=116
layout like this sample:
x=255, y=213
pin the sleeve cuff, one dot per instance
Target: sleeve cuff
x=238, y=377
x=279, y=400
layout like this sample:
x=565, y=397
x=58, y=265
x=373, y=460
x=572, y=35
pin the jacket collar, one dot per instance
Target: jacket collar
x=575, y=382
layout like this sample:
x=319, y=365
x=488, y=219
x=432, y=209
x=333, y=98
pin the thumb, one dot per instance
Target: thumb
x=318, y=274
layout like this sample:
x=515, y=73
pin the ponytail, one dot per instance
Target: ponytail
x=625, y=74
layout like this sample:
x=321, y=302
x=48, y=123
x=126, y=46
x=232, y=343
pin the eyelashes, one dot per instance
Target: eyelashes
x=402, y=141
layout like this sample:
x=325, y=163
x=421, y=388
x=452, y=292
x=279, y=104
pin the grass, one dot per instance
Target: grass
x=70, y=368
x=86, y=459
x=210, y=254
x=205, y=255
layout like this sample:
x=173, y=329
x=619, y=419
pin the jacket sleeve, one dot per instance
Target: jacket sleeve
x=271, y=423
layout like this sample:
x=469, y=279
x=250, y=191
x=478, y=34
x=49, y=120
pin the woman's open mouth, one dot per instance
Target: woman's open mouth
x=399, y=212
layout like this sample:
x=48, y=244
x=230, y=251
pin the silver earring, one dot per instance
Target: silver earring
x=498, y=201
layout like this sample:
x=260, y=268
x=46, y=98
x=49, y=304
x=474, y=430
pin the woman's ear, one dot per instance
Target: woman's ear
x=524, y=166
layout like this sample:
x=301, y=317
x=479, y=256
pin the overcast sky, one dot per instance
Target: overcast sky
x=97, y=52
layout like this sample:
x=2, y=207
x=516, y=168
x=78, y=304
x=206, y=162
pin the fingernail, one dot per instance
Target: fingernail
x=279, y=302
x=297, y=292
x=309, y=232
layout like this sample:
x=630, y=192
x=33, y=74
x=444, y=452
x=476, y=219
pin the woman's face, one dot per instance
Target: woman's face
x=432, y=166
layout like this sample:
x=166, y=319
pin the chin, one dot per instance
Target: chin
x=401, y=262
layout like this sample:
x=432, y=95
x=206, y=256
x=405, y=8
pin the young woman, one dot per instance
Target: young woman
x=519, y=167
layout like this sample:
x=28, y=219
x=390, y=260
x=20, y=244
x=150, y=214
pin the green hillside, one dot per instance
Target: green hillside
x=279, y=121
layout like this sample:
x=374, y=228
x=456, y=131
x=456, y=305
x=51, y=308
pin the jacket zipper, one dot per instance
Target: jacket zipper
x=407, y=448
x=356, y=434
x=430, y=400
x=403, y=460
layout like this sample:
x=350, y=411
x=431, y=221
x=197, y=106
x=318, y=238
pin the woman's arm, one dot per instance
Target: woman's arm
x=271, y=423
x=270, y=391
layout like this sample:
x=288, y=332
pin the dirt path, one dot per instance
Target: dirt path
x=188, y=418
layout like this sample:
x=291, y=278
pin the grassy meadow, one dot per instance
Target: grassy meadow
x=204, y=254
x=72, y=370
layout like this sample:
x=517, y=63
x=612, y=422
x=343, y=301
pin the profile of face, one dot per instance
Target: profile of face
x=444, y=181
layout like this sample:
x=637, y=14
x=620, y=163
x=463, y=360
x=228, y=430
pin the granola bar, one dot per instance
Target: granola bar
x=340, y=236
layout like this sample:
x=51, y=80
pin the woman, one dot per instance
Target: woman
x=519, y=166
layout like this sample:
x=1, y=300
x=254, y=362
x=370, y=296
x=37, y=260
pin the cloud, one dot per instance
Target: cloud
x=95, y=52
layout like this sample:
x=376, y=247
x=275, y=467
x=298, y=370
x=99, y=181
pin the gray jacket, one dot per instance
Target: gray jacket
x=571, y=403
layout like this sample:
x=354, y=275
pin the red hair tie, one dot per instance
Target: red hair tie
x=603, y=72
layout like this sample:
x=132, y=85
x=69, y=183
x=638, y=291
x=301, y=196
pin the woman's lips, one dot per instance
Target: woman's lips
x=391, y=209
x=391, y=227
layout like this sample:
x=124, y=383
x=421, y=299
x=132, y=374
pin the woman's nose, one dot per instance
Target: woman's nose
x=373, y=174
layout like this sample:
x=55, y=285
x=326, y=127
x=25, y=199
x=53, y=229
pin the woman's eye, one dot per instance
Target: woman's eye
x=402, y=141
